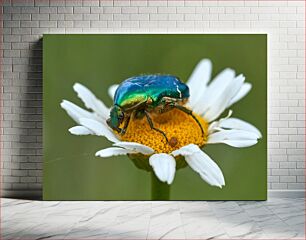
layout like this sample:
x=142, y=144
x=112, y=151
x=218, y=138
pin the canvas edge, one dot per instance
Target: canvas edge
x=37, y=194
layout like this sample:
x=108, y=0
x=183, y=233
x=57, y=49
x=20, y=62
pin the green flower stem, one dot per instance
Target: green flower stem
x=159, y=190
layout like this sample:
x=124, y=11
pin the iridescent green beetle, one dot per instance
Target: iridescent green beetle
x=143, y=94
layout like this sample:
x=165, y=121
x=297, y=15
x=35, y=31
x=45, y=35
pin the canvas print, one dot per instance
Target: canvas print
x=155, y=117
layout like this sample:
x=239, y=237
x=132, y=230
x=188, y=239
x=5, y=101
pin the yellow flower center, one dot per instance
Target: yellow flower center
x=180, y=128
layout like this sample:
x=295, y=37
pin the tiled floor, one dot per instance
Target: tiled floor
x=273, y=219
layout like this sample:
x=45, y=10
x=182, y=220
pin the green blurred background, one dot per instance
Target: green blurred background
x=71, y=170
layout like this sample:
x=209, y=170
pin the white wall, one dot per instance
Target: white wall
x=25, y=21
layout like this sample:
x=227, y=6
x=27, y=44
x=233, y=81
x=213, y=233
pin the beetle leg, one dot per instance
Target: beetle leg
x=126, y=124
x=118, y=130
x=189, y=112
x=154, y=128
x=138, y=114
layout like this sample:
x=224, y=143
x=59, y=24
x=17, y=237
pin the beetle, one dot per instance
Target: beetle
x=144, y=94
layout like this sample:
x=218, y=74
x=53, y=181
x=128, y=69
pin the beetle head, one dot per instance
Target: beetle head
x=116, y=118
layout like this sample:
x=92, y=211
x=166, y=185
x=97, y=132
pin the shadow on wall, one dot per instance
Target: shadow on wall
x=29, y=156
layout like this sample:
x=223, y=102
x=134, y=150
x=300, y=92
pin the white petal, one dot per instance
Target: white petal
x=198, y=80
x=113, y=151
x=91, y=101
x=137, y=147
x=232, y=135
x=80, y=130
x=221, y=81
x=99, y=129
x=163, y=166
x=214, y=126
x=216, y=108
x=214, y=90
x=235, y=123
x=75, y=112
x=112, y=89
x=186, y=150
x=240, y=143
x=201, y=163
x=234, y=138
x=244, y=90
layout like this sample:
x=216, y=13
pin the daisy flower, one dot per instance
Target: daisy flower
x=208, y=100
